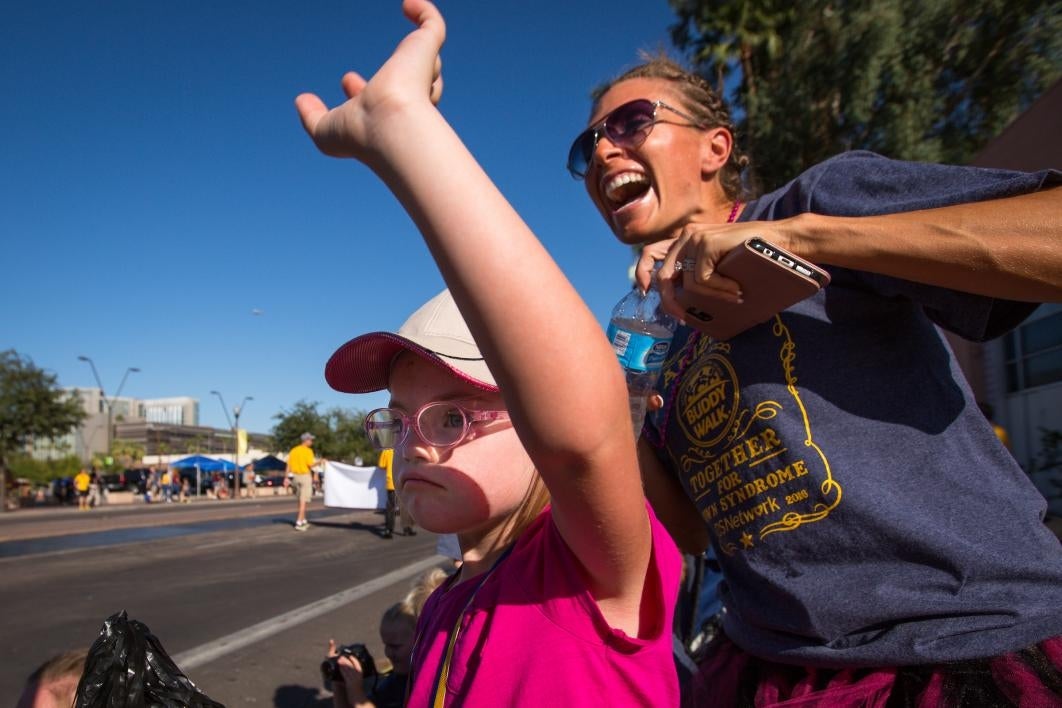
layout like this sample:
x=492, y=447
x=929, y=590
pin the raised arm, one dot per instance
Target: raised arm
x=561, y=383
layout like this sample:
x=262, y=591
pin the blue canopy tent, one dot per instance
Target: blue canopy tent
x=200, y=464
x=270, y=463
x=206, y=464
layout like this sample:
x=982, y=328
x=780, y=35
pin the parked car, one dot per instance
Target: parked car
x=131, y=480
x=63, y=490
x=274, y=481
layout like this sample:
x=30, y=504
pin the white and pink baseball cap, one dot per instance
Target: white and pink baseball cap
x=436, y=331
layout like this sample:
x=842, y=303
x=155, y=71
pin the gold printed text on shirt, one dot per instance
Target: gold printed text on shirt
x=733, y=463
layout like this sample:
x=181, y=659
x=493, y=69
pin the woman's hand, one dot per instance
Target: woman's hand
x=688, y=276
x=413, y=74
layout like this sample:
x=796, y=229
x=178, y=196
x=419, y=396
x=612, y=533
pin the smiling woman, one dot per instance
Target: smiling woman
x=874, y=438
x=636, y=186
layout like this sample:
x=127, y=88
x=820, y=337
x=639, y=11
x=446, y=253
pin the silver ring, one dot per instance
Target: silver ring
x=686, y=264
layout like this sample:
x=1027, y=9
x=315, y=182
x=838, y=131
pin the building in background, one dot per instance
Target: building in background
x=1020, y=375
x=174, y=411
x=169, y=440
x=161, y=426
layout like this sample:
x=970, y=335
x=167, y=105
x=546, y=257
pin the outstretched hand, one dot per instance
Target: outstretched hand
x=412, y=74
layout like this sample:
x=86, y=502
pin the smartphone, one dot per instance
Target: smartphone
x=771, y=280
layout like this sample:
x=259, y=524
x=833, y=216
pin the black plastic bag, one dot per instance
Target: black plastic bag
x=128, y=668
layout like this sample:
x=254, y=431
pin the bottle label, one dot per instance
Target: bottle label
x=637, y=351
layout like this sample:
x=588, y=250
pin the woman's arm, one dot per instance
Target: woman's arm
x=1008, y=248
x=562, y=385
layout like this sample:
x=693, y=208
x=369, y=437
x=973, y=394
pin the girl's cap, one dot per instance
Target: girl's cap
x=436, y=332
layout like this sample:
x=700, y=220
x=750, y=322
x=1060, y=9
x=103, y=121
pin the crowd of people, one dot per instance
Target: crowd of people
x=89, y=487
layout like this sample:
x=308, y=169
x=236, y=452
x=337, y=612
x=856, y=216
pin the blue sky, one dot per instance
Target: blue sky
x=156, y=189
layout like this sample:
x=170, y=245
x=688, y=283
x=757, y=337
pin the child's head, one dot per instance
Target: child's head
x=459, y=466
x=54, y=683
x=397, y=631
x=399, y=623
x=423, y=587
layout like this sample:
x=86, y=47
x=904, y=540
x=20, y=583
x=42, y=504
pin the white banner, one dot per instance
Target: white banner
x=351, y=487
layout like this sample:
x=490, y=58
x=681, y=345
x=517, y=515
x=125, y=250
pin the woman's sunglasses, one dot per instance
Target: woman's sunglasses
x=626, y=126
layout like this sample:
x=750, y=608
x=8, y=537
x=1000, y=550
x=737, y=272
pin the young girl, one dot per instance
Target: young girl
x=567, y=603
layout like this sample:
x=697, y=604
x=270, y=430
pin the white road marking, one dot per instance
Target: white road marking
x=238, y=640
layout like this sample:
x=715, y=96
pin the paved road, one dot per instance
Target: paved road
x=243, y=602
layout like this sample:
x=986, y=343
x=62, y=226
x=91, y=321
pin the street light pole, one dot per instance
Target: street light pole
x=237, y=410
x=109, y=402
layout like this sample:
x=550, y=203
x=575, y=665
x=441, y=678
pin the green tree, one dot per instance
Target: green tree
x=41, y=472
x=31, y=406
x=124, y=454
x=350, y=439
x=929, y=80
x=338, y=433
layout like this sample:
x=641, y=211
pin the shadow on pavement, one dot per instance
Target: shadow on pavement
x=374, y=529
x=299, y=697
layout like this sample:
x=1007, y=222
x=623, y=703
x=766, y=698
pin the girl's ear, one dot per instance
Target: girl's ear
x=716, y=145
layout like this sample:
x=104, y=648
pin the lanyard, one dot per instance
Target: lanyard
x=439, y=692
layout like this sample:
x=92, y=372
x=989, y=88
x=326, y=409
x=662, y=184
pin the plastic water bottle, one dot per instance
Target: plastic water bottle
x=640, y=332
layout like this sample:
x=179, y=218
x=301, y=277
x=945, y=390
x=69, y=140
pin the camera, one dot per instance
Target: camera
x=330, y=666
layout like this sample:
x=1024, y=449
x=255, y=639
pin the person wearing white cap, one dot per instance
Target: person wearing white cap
x=563, y=597
x=303, y=476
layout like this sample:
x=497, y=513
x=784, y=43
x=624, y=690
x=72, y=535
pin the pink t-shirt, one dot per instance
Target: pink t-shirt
x=533, y=634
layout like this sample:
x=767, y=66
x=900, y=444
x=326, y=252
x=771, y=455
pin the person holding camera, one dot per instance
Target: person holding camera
x=351, y=670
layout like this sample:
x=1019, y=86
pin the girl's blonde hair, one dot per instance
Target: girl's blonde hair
x=535, y=500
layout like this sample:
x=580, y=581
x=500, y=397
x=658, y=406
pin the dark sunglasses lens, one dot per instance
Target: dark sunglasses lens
x=626, y=126
x=579, y=155
x=630, y=123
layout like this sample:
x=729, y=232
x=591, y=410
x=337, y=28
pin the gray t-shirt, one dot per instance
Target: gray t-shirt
x=862, y=509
